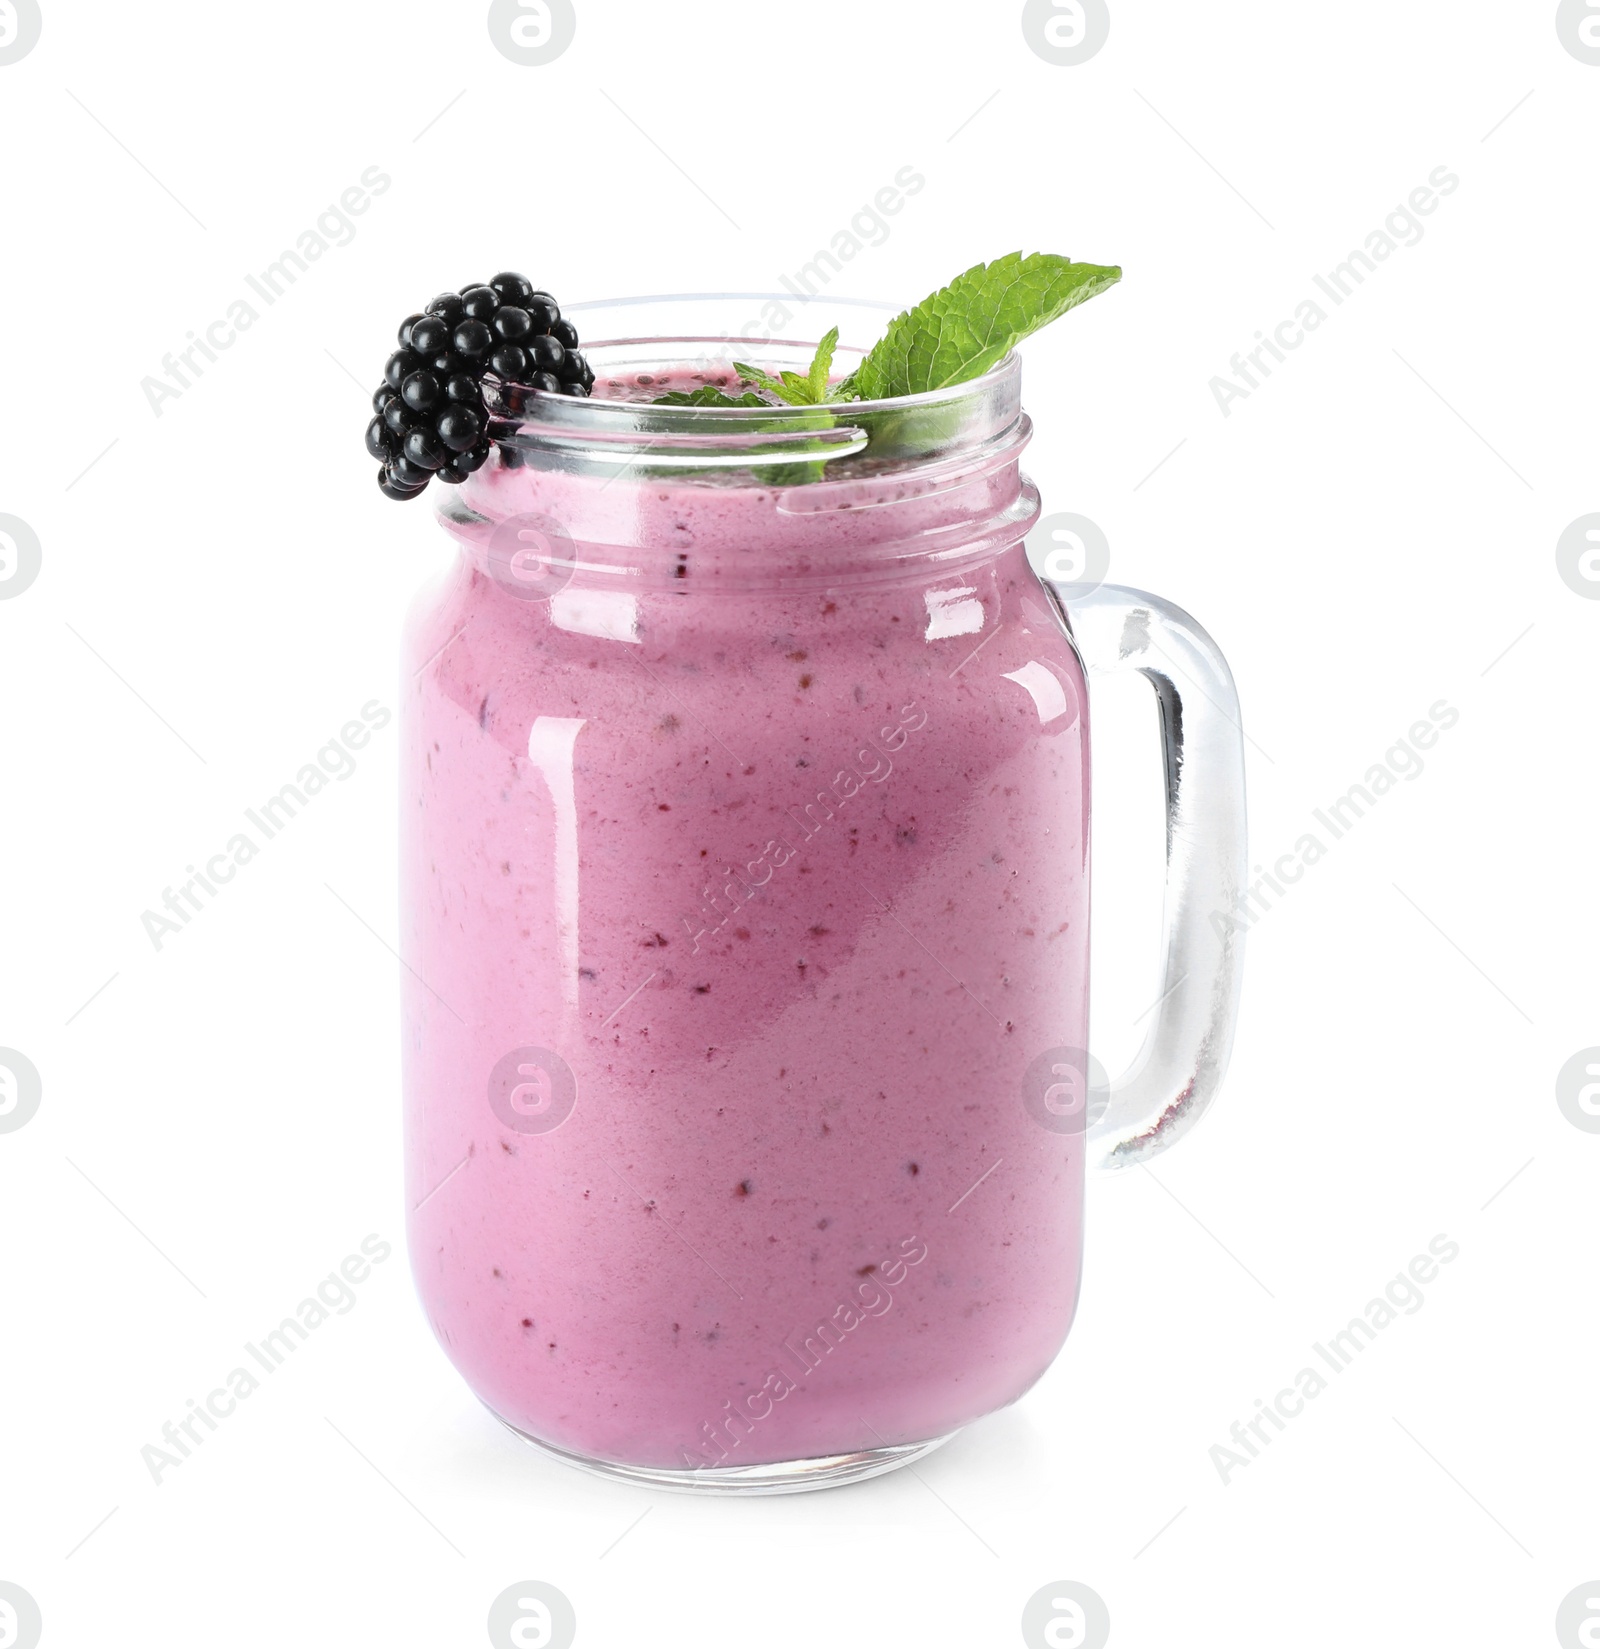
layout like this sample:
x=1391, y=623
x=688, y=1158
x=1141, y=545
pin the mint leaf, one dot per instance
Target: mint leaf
x=755, y=375
x=967, y=327
x=708, y=395
x=822, y=367
x=809, y=391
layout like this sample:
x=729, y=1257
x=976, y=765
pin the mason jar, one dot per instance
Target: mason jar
x=746, y=917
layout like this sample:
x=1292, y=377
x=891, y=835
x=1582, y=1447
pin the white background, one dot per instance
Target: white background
x=1367, y=534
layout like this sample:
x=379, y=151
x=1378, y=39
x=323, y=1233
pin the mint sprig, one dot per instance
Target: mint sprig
x=972, y=324
x=790, y=387
x=958, y=333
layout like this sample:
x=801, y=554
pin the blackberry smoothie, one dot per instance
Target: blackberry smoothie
x=745, y=881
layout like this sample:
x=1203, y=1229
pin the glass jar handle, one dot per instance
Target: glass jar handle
x=1178, y=1070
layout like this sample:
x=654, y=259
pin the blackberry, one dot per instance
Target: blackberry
x=484, y=346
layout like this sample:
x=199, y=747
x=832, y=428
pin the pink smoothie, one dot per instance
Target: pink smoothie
x=781, y=847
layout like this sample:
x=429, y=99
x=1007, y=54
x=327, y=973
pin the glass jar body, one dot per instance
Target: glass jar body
x=744, y=888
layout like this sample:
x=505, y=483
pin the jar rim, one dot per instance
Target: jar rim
x=1008, y=368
